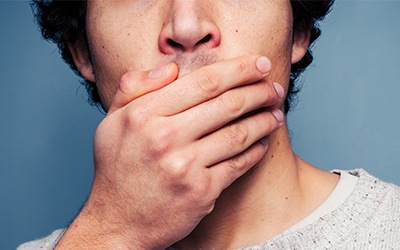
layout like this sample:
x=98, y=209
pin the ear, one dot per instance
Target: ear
x=301, y=41
x=81, y=56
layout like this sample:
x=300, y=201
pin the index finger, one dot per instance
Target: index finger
x=208, y=82
x=135, y=84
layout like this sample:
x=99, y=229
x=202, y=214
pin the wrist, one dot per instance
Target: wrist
x=92, y=229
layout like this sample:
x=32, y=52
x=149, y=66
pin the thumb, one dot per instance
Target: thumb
x=135, y=84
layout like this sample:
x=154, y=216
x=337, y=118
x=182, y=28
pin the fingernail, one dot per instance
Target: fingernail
x=278, y=115
x=160, y=72
x=264, y=141
x=279, y=90
x=263, y=64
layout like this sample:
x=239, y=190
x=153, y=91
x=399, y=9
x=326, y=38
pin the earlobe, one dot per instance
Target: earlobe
x=80, y=55
x=301, y=41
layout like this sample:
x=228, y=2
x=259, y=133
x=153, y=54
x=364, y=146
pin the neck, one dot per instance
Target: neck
x=274, y=195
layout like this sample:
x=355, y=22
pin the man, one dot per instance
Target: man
x=194, y=151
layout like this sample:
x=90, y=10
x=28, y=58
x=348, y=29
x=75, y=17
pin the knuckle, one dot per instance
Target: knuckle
x=266, y=121
x=238, y=134
x=209, y=208
x=244, y=68
x=178, y=170
x=136, y=117
x=233, y=103
x=236, y=164
x=208, y=82
x=178, y=167
x=162, y=139
x=125, y=85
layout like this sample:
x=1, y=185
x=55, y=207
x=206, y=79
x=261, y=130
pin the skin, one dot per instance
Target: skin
x=172, y=156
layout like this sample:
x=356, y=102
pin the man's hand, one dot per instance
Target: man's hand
x=168, y=147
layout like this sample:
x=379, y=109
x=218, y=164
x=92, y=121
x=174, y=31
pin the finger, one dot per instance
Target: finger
x=213, y=114
x=226, y=172
x=209, y=82
x=235, y=138
x=136, y=84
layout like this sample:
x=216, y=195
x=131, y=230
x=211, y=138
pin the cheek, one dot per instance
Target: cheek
x=117, y=47
x=270, y=35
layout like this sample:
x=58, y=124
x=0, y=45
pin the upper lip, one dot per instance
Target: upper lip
x=189, y=62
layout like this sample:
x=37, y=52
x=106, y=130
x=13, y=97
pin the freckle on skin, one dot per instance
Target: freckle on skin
x=237, y=31
x=286, y=198
x=272, y=156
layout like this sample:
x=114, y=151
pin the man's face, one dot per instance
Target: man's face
x=145, y=34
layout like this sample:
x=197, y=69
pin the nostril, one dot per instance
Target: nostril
x=174, y=44
x=188, y=39
x=205, y=39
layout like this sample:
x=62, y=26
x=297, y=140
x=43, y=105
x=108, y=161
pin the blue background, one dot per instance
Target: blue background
x=348, y=114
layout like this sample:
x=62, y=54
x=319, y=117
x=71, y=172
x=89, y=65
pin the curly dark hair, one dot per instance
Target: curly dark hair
x=63, y=22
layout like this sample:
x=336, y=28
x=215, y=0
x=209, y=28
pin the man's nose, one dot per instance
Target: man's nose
x=189, y=27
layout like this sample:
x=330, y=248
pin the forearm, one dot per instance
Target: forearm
x=93, y=230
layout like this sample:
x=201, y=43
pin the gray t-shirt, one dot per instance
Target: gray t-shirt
x=361, y=213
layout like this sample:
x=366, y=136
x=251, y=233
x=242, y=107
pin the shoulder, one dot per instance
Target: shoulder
x=368, y=218
x=374, y=199
x=374, y=209
x=48, y=242
x=372, y=189
x=370, y=194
